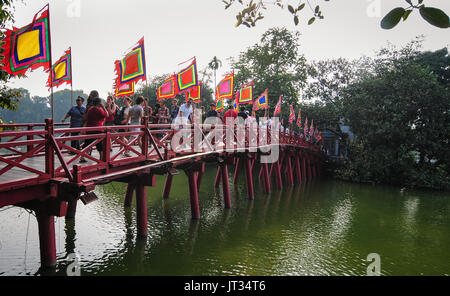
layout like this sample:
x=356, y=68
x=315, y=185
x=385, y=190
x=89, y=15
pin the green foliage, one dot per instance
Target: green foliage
x=432, y=15
x=400, y=116
x=36, y=109
x=251, y=13
x=273, y=63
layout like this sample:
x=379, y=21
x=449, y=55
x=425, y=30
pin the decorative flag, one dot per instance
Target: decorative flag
x=236, y=102
x=319, y=137
x=305, y=128
x=187, y=78
x=291, y=115
x=224, y=89
x=168, y=89
x=311, y=129
x=299, y=119
x=132, y=67
x=61, y=71
x=28, y=48
x=126, y=89
x=219, y=105
x=263, y=101
x=195, y=93
x=246, y=94
x=278, y=106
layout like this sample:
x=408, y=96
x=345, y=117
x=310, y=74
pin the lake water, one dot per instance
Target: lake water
x=318, y=228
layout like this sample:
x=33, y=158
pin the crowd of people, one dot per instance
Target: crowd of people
x=97, y=114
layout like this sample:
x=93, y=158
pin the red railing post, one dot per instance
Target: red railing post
x=145, y=138
x=30, y=138
x=49, y=151
x=106, y=155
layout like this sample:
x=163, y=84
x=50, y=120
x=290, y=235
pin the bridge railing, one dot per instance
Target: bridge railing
x=44, y=151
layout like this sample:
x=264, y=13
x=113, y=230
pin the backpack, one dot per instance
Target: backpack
x=119, y=116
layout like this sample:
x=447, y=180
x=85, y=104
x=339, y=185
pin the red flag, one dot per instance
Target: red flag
x=28, y=48
x=278, y=106
x=291, y=115
x=299, y=119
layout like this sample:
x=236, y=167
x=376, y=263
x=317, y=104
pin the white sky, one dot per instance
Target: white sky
x=101, y=31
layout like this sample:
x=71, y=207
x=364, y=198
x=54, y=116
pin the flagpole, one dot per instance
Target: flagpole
x=71, y=78
x=51, y=64
x=145, y=66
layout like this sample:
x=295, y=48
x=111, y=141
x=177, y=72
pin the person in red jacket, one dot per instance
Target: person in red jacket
x=96, y=116
x=230, y=113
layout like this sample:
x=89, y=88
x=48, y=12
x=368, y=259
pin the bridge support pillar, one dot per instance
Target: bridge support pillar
x=308, y=167
x=313, y=168
x=193, y=194
x=303, y=168
x=237, y=170
x=141, y=210
x=249, y=176
x=278, y=174
x=265, y=173
x=225, y=185
x=200, y=175
x=298, y=169
x=218, y=178
x=290, y=172
x=129, y=194
x=167, y=185
x=71, y=209
x=47, y=244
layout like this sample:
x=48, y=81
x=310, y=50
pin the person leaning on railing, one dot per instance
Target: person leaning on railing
x=96, y=117
x=76, y=114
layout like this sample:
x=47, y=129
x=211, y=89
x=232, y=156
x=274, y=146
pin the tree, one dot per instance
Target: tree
x=36, y=109
x=214, y=65
x=8, y=97
x=400, y=116
x=273, y=63
x=251, y=12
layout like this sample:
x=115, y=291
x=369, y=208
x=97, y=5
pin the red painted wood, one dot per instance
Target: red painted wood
x=47, y=244
x=249, y=177
x=167, y=186
x=71, y=209
x=200, y=176
x=278, y=174
x=225, y=186
x=237, y=170
x=129, y=194
x=298, y=169
x=266, y=179
x=141, y=210
x=218, y=178
x=193, y=195
x=289, y=170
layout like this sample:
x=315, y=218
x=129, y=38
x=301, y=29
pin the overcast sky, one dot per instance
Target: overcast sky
x=101, y=31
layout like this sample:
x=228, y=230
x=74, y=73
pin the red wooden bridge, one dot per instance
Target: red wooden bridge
x=40, y=171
